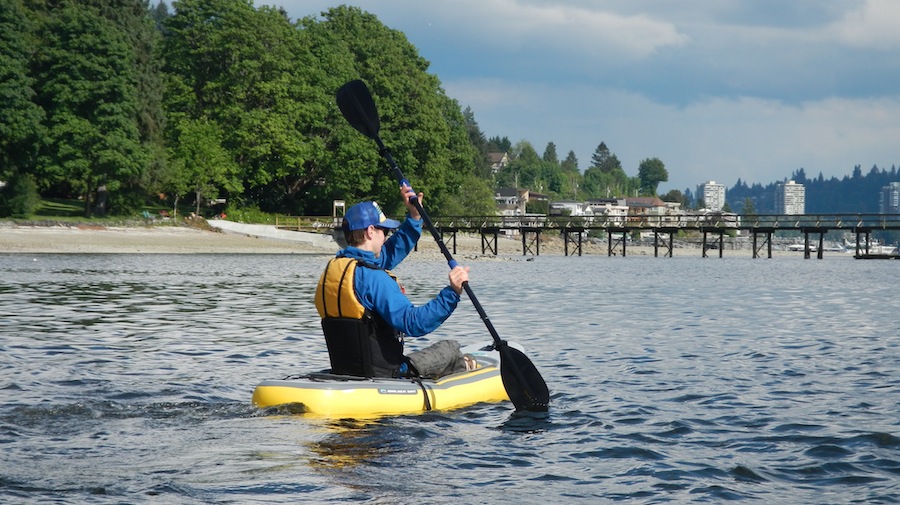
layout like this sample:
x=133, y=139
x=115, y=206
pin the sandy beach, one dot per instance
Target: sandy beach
x=256, y=239
x=171, y=239
x=139, y=240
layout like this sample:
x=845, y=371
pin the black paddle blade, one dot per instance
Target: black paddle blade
x=358, y=108
x=522, y=381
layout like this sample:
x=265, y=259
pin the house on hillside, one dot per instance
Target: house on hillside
x=511, y=201
x=498, y=160
x=611, y=211
x=645, y=206
x=569, y=208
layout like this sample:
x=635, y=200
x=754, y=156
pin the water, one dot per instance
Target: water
x=127, y=379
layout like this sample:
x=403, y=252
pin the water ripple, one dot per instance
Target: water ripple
x=127, y=379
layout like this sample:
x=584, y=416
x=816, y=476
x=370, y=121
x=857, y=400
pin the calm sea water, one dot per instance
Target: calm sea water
x=127, y=379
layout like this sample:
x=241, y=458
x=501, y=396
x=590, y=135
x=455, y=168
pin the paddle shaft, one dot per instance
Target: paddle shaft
x=524, y=384
x=507, y=359
x=386, y=153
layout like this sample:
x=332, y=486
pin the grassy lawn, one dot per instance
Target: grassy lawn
x=72, y=211
x=59, y=208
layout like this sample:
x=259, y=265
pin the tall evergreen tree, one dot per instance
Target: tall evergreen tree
x=550, y=155
x=606, y=178
x=748, y=209
x=572, y=176
x=479, y=141
x=601, y=158
x=501, y=145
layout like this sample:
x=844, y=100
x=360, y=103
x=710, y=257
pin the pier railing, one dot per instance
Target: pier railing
x=849, y=222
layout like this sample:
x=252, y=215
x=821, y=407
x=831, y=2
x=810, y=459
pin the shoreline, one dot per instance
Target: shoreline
x=150, y=239
x=256, y=239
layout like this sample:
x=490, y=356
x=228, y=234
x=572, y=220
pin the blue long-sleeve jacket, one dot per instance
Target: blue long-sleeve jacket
x=377, y=291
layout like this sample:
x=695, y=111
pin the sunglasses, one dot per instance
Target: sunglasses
x=387, y=231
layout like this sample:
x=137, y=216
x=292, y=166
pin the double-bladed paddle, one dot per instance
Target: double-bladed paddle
x=521, y=379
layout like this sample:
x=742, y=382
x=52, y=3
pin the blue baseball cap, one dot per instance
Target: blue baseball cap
x=365, y=214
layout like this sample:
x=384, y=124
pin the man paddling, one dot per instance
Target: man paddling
x=364, y=310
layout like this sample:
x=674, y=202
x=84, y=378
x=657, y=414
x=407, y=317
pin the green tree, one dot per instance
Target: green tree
x=19, y=197
x=20, y=118
x=499, y=145
x=571, y=175
x=550, y=155
x=748, y=209
x=139, y=23
x=203, y=164
x=570, y=164
x=474, y=198
x=651, y=172
x=425, y=130
x=469, y=184
x=87, y=84
x=604, y=160
x=249, y=71
x=676, y=196
x=482, y=161
x=524, y=170
x=595, y=184
x=159, y=14
x=606, y=178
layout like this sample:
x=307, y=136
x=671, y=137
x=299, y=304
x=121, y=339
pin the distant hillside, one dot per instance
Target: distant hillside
x=856, y=193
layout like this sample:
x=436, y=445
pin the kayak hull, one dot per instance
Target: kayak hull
x=333, y=396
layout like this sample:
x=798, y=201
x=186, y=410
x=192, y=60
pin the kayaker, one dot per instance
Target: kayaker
x=365, y=312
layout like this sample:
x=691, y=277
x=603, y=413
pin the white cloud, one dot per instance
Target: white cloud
x=876, y=25
x=519, y=25
x=756, y=140
x=571, y=27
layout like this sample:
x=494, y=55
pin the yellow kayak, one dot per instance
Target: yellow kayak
x=340, y=396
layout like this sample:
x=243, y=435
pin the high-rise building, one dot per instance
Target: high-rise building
x=790, y=198
x=889, y=201
x=713, y=195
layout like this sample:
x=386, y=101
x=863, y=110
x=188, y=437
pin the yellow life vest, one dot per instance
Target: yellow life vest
x=359, y=341
x=335, y=296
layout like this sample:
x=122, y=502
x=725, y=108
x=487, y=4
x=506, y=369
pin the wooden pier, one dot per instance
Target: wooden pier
x=761, y=229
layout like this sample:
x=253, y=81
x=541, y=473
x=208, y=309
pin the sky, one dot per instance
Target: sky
x=717, y=89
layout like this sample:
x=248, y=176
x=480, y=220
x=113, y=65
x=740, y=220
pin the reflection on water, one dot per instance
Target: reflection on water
x=350, y=443
x=128, y=379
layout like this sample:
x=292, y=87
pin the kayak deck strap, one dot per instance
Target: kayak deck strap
x=328, y=376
